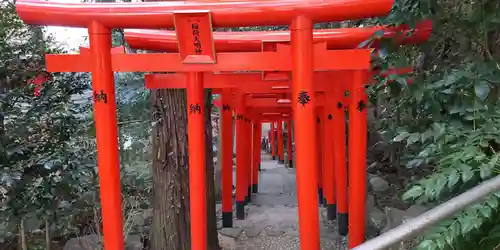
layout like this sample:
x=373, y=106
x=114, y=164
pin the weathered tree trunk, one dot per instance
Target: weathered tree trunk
x=171, y=219
x=213, y=241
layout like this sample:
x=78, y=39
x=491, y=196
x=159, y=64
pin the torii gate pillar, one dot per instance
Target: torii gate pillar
x=289, y=143
x=273, y=141
x=227, y=159
x=279, y=131
x=108, y=161
x=256, y=148
x=304, y=114
x=197, y=157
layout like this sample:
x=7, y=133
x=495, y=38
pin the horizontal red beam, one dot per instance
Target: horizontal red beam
x=245, y=61
x=155, y=15
x=247, y=83
x=281, y=110
x=251, y=41
x=272, y=102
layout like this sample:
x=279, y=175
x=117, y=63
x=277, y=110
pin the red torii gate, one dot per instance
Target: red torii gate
x=254, y=41
x=100, y=18
x=253, y=82
x=255, y=105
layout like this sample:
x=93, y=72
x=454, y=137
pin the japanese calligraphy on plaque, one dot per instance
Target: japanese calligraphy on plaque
x=195, y=27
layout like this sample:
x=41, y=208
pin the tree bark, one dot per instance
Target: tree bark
x=212, y=237
x=171, y=218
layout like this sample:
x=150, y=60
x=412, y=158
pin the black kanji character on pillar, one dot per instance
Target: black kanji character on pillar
x=303, y=98
x=239, y=117
x=330, y=116
x=339, y=105
x=98, y=97
x=196, y=32
x=226, y=107
x=195, y=26
x=361, y=105
x=194, y=109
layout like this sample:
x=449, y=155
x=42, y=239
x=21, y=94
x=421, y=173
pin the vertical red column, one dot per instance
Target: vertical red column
x=319, y=166
x=304, y=122
x=248, y=158
x=227, y=159
x=281, y=153
x=328, y=159
x=108, y=162
x=289, y=143
x=357, y=159
x=273, y=141
x=197, y=160
x=256, y=154
x=339, y=150
x=241, y=186
x=269, y=135
x=259, y=155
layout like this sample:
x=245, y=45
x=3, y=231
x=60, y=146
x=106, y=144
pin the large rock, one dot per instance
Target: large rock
x=370, y=201
x=231, y=232
x=94, y=242
x=414, y=211
x=376, y=218
x=396, y=217
x=378, y=184
x=226, y=242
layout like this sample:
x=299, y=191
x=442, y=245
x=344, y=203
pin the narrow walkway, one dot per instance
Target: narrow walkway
x=272, y=217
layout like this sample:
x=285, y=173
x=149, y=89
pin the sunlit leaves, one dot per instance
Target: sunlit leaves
x=414, y=193
x=450, y=232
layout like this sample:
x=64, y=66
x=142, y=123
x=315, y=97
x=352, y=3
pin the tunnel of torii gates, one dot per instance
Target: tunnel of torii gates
x=258, y=98
x=197, y=57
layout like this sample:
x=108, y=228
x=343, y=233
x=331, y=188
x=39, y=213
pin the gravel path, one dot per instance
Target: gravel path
x=272, y=221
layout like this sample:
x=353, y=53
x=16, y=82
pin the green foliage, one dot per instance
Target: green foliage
x=448, y=117
x=48, y=170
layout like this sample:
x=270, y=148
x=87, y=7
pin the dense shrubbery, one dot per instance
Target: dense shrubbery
x=449, y=117
x=48, y=174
